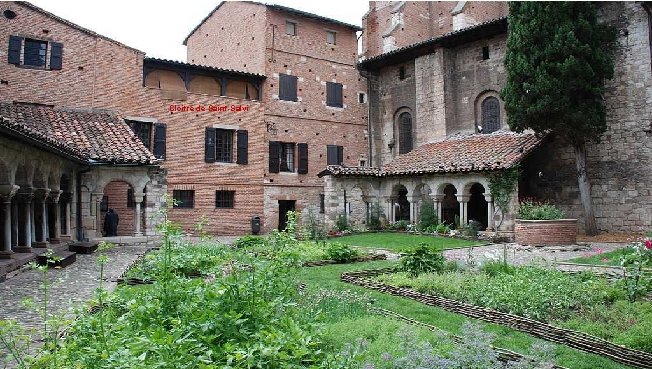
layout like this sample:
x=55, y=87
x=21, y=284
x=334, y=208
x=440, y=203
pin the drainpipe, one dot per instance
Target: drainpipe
x=80, y=233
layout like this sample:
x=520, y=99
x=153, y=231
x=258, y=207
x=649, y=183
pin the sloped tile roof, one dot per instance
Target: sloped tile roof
x=86, y=135
x=456, y=154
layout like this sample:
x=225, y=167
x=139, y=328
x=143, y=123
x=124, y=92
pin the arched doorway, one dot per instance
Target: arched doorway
x=119, y=196
x=402, y=205
x=477, y=206
x=450, y=207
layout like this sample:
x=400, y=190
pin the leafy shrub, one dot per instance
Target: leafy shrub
x=340, y=252
x=494, y=268
x=428, y=215
x=375, y=216
x=442, y=228
x=532, y=210
x=313, y=228
x=400, y=225
x=246, y=242
x=342, y=223
x=422, y=259
x=472, y=228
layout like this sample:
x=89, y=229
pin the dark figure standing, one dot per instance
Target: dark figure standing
x=111, y=223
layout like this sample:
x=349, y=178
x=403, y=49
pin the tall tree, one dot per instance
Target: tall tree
x=557, y=61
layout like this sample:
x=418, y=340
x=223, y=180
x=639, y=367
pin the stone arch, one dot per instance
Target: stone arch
x=24, y=175
x=205, y=85
x=357, y=204
x=450, y=207
x=404, y=133
x=165, y=80
x=400, y=202
x=119, y=196
x=6, y=174
x=477, y=204
x=421, y=193
x=41, y=177
x=489, y=112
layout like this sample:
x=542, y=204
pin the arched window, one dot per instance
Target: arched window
x=490, y=115
x=404, y=133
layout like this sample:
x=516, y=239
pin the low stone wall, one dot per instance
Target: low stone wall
x=546, y=232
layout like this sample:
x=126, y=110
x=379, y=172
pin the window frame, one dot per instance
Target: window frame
x=485, y=112
x=334, y=34
x=180, y=203
x=294, y=28
x=287, y=157
x=224, y=145
x=44, y=57
x=403, y=137
x=224, y=199
x=284, y=79
x=137, y=128
x=333, y=101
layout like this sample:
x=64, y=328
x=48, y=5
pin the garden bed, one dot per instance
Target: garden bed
x=397, y=241
x=571, y=338
x=546, y=232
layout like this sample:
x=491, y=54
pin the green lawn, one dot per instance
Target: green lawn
x=607, y=258
x=399, y=241
x=327, y=277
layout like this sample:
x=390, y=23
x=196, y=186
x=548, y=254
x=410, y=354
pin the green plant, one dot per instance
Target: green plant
x=342, y=223
x=636, y=282
x=200, y=227
x=249, y=242
x=428, y=216
x=340, y=252
x=443, y=228
x=422, y=259
x=400, y=225
x=472, y=228
x=502, y=185
x=375, y=215
x=495, y=268
x=532, y=210
x=314, y=229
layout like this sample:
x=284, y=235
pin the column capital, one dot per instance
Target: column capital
x=138, y=197
x=25, y=194
x=8, y=191
x=41, y=194
x=463, y=198
x=437, y=198
x=488, y=197
x=55, y=195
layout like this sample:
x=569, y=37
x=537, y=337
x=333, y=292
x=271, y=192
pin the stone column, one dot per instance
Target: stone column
x=490, y=212
x=32, y=223
x=437, y=199
x=41, y=195
x=414, y=209
x=390, y=210
x=98, y=214
x=6, y=193
x=56, y=234
x=464, y=201
x=25, y=195
x=138, y=198
x=14, y=223
x=68, y=220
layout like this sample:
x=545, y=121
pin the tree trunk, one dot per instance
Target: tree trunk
x=585, y=188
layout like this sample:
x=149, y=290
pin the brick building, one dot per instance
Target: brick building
x=441, y=95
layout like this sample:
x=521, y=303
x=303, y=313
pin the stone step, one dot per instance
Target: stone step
x=64, y=258
x=83, y=247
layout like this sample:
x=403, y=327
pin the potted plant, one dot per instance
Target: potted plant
x=543, y=224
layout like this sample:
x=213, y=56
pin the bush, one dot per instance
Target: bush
x=340, y=252
x=375, y=216
x=400, y=225
x=442, y=228
x=472, y=229
x=428, y=216
x=532, y=210
x=342, y=223
x=422, y=259
x=246, y=242
x=494, y=268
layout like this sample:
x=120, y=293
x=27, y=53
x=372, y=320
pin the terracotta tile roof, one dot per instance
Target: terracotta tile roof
x=471, y=153
x=86, y=135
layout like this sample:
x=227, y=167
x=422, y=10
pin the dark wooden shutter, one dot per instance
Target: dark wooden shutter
x=209, y=153
x=274, y=152
x=303, y=158
x=338, y=95
x=15, y=44
x=287, y=87
x=159, y=140
x=331, y=155
x=56, y=56
x=243, y=147
x=340, y=155
x=334, y=94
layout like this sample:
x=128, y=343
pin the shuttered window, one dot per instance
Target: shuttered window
x=490, y=115
x=35, y=53
x=274, y=152
x=142, y=130
x=209, y=145
x=287, y=87
x=282, y=157
x=183, y=199
x=15, y=46
x=404, y=133
x=334, y=94
x=243, y=147
x=159, y=140
x=224, y=199
x=223, y=145
x=334, y=155
x=302, y=149
x=218, y=146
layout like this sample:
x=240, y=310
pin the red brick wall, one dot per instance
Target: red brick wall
x=117, y=193
x=546, y=232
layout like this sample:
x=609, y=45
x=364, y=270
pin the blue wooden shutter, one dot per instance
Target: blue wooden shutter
x=243, y=147
x=15, y=44
x=56, y=56
x=209, y=153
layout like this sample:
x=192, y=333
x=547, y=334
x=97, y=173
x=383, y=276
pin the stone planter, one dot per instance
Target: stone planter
x=545, y=232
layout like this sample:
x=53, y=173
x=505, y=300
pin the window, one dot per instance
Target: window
x=104, y=204
x=287, y=87
x=290, y=28
x=485, y=53
x=334, y=155
x=331, y=37
x=401, y=73
x=334, y=94
x=143, y=130
x=363, y=163
x=322, y=203
x=362, y=98
x=35, y=53
x=224, y=199
x=282, y=157
x=218, y=146
x=184, y=199
x=404, y=133
x=131, y=202
x=490, y=115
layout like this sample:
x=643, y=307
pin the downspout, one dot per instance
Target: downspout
x=80, y=233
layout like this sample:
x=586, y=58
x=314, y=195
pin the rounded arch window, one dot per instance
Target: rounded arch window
x=490, y=114
x=404, y=133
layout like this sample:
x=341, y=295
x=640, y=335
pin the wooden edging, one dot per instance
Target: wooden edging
x=570, y=338
x=504, y=355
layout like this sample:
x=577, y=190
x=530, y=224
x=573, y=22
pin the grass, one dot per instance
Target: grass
x=327, y=277
x=400, y=241
x=611, y=258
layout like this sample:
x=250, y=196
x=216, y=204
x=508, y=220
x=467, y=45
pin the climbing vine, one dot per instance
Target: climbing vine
x=502, y=186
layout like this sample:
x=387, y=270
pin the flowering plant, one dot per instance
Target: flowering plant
x=637, y=283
